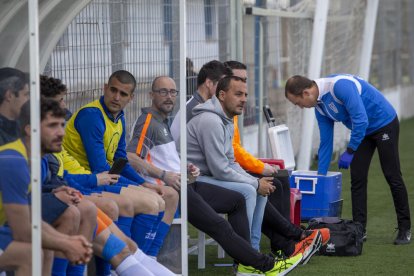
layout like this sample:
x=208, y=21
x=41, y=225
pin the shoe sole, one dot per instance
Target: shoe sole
x=248, y=274
x=312, y=249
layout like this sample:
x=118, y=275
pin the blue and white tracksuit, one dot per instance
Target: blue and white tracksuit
x=374, y=124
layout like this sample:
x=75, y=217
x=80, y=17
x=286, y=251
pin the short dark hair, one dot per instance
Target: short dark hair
x=233, y=64
x=296, y=84
x=46, y=106
x=13, y=80
x=212, y=70
x=124, y=77
x=51, y=87
x=51, y=106
x=224, y=83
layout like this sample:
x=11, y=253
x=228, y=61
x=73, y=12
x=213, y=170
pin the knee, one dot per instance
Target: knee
x=278, y=185
x=87, y=210
x=153, y=204
x=126, y=206
x=250, y=192
x=71, y=217
x=170, y=195
x=110, y=208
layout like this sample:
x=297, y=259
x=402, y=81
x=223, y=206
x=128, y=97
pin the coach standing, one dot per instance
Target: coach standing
x=373, y=123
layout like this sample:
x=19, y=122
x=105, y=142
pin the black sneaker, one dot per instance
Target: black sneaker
x=403, y=237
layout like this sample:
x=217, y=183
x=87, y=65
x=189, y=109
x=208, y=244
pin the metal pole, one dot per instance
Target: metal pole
x=35, y=137
x=233, y=30
x=183, y=138
x=261, y=65
x=315, y=65
x=368, y=38
x=238, y=13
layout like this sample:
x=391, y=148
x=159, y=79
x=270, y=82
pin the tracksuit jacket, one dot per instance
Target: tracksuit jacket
x=354, y=102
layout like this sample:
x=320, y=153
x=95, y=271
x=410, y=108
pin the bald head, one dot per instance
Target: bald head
x=164, y=94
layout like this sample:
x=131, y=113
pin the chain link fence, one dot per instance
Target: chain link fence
x=142, y=36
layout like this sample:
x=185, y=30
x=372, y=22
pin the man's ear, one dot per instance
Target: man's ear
x=306, y=93
x=27, y=129
x=221, y=95
x=8, y=95
x=209, y=83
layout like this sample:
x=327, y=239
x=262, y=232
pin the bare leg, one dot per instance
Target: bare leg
x=18, y=257
x=88, y=218
x=107, y=205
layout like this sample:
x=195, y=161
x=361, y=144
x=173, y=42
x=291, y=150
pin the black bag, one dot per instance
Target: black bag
x=346, y=236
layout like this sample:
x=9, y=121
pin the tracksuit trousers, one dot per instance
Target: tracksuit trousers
x=276, y=225
x=205, y=201
x=386, y=141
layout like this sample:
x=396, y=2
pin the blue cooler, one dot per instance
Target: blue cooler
x=321, y=194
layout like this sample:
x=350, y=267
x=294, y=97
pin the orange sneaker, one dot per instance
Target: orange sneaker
x=308, y=246
x=326, y=234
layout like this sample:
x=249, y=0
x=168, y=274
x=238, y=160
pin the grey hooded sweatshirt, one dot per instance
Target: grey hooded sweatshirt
x=209, y=144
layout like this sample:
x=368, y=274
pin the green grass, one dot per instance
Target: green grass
x=379, y=256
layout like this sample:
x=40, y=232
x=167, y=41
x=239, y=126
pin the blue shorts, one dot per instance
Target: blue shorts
x=6, y=237
x=52, y=207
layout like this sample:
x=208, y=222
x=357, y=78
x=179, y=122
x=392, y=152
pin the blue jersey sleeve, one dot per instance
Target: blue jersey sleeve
x=14, y=180
x=326, y=129
x=90, y=125
x=347, y=92
x=76, y=181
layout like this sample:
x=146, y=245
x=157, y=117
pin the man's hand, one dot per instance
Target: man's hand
x=68, y=195
x=173, y=180
x=265, y=186
x=269, y=170
x=104, y=178
x=192, y=172
x=78, y=250
x=154, y=187
x=345, y=160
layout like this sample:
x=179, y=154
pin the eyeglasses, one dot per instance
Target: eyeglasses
x=164, y=92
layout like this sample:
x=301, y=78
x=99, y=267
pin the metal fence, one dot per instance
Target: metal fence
x=393, y=53
x=140, y=36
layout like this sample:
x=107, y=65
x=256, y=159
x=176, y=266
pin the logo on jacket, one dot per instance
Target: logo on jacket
x=165, y=132
x=333, y=107
x=385, y=137
x=150, y=235
x=330, y=247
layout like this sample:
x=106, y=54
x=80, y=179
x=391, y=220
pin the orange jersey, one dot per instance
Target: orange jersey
x=246, y=160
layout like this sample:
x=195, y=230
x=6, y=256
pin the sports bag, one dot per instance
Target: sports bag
x=346, y=236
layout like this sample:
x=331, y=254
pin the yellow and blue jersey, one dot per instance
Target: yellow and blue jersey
x=15, y=176
x=95, y=139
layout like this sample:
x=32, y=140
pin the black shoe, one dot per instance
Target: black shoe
x=403, y=237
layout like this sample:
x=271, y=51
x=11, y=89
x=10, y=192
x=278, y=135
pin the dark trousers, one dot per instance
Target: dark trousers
x=276, y=225
x=386, y=141
x=205, y=201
